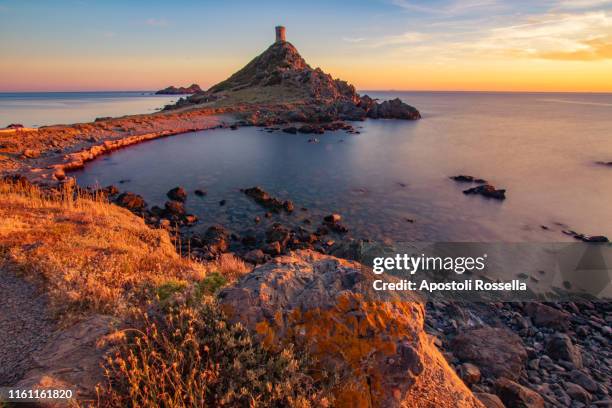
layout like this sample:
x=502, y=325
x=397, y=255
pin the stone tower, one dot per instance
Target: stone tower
x=280, y=34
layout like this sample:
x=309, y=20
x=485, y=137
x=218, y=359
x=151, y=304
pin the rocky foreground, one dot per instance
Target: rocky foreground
x=508, y=354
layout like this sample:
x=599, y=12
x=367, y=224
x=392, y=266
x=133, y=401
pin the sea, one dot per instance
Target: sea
x=35, y=109
x=390, y=181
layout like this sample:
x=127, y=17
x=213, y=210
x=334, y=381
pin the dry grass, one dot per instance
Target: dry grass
x=89, y=255
x=189, y=356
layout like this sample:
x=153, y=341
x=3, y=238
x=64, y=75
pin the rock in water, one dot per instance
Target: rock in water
x=393, y=109
x=173, y=90
x=488, y=191
x=177, y=194
x=131, y=201
x=375, y=340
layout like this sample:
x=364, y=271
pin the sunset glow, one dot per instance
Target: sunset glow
x=556, y=45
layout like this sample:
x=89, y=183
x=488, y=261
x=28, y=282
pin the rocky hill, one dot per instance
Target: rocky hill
x=173, y=90
x=280, y=76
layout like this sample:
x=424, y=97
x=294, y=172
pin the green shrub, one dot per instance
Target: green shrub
x=169, y=288
x=211, y=284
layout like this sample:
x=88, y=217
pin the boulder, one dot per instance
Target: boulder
x=489, y=400
x=577, y=393
x=517, y=396
x=131, y=201
x=547, y=316
x=469, y=373
x=584, y=380
x=255, y=256
x=560, y=347
x=498, y=352
x=374, y=340
x=177, y=194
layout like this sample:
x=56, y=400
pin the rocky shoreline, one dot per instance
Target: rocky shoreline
x=506, y=354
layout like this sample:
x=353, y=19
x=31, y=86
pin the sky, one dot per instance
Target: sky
x=471, y=45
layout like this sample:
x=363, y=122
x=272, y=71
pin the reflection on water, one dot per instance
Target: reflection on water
x=34, y=109
x=541, y=152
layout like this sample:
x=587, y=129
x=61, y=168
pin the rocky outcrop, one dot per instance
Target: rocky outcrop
x=374, y=341
x=71, y=359
x=282, y=65
x=281, y=76
x=173, y=90
x=393, y=109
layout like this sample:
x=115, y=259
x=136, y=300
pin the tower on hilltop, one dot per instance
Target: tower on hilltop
x=280, y=34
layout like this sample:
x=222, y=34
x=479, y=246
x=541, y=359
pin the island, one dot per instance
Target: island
x=173, y=90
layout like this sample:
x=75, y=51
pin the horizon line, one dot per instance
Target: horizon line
x=358, y=91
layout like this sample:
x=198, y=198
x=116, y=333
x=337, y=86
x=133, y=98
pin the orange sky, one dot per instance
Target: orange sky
x=494, y=45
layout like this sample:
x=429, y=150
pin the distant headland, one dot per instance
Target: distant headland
x=173, y=90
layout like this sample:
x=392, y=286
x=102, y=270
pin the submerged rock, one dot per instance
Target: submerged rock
x=263, y=198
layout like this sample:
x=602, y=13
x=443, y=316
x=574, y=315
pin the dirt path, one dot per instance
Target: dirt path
x=25, y=326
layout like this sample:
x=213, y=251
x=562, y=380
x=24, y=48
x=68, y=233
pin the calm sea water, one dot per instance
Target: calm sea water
x=34, y=109
x=540, y=147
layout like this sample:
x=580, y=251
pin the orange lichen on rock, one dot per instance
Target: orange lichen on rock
x=374, y=341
